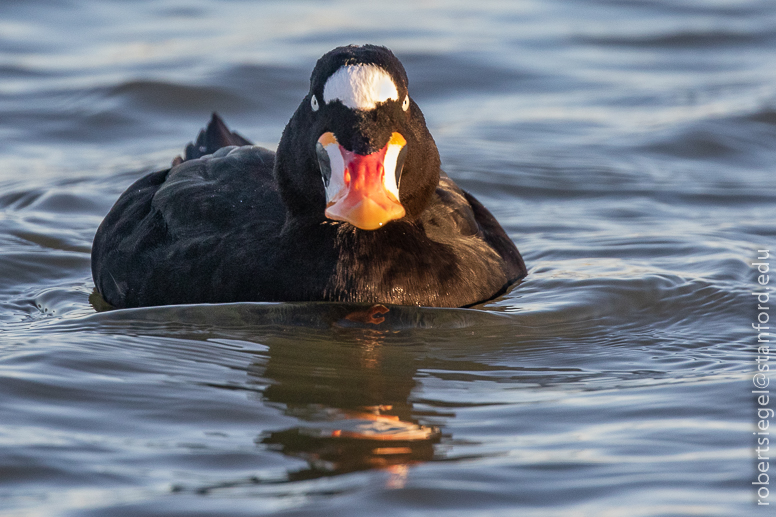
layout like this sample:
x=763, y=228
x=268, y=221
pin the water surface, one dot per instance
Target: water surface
x=626, y=147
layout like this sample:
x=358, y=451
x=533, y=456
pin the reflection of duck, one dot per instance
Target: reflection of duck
x=369, y=444
x=353, y=207
x=352, y=401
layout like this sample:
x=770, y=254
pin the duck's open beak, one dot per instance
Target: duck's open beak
x=362, y=190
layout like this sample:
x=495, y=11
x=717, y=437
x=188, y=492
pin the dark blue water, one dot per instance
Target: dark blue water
x=628, y=148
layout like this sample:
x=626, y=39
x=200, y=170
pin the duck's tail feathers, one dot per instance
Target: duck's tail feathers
x=215, y=136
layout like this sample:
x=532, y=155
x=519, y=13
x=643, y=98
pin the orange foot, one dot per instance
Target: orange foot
x=373, y=315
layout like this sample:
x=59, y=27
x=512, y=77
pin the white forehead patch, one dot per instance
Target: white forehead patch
x=360, y=86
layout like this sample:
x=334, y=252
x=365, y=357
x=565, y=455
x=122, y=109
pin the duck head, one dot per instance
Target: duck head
x=357, y=149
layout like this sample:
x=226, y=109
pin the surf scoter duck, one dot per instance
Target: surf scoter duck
x=353, y=207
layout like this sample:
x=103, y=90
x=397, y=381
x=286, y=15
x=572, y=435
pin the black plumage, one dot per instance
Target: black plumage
x=235, y=222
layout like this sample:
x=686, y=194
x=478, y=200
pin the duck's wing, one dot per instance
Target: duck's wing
x=459, y=220
x=223, y=182
x=114, y=256
x=186, y=234
x=493, y=233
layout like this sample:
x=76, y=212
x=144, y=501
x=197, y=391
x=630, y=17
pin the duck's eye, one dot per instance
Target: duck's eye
x=314, y=103
x=406, y=104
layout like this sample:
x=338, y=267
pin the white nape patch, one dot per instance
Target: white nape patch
x=360, y=86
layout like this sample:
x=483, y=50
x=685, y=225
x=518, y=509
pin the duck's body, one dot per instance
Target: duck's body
x=244, y=224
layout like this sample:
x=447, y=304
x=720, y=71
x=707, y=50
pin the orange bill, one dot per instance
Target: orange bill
x=363, y=189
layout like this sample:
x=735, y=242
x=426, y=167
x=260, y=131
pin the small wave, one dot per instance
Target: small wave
x=764, y=115
x=442, y=75
x=167, y=96
x=683, y=39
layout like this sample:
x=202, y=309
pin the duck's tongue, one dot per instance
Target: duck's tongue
x=363, y=199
